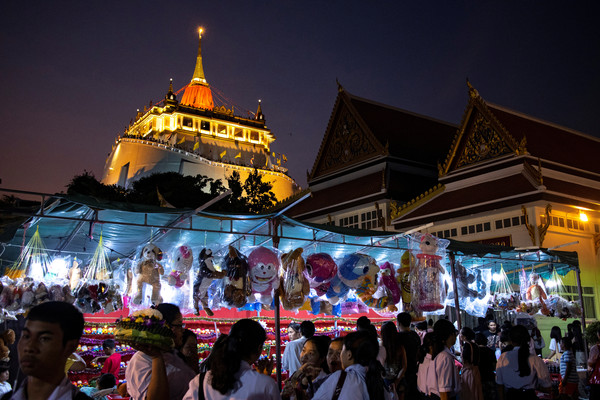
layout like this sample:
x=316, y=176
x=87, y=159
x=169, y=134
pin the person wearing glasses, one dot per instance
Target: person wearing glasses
x=148, y=368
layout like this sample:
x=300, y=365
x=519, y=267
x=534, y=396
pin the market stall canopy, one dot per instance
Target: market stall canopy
x=73, y=225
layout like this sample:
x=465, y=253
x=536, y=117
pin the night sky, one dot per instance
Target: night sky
x=73, y=73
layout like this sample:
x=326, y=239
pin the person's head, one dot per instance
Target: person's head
x=480, y=339
x=445, y=334
x=109, y=346
x=427, y=347
x=334, y=353
x=51, y=333
x=106, y=381
x=363, y=323
x=173, y=317
x=314, y=352
x=466, y=334
x=565, y=343
x=359, y=348
x=481, y=322
x=430, y=323
x=244, y=343
x=492, y=326
x=294, y=331
x=505, y=338
x=189, y=346
x=535, y=332
x=307, y=328
x=421, y=326
x=4, y=371
x=470, y=353
x=555, y=333
x=404, y=319
x=519, y=336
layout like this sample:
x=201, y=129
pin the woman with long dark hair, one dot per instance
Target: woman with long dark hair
x=395, y=360
x=518, y=372
x=230, y=374
x=555, y=337
x=361, y=377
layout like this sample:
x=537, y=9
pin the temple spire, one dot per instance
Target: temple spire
x=198, y=94
x=198, y=77
x=259, y=116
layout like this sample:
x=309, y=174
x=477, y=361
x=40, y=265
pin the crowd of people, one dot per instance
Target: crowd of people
x=433, y=361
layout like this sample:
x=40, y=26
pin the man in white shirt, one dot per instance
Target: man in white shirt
x=51, y=333
x=291, y=354
x=140, y=368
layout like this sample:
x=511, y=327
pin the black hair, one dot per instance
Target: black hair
x=442, y=329
x=520, y=337
x=364, y=352
x=422, y=326
x=391, y=342
x=468, y=333
x=187, y=333
x=107, y=381
x=295, y=326
x=69, y=318
x=169, y=311
x=307, y=328
x=428, y=343
x=245, y=339
x=109, y=344
x=322, y=344
x=566, y=343
x=470, y=353
x=555, y=333
x=480, y=339
x=363, y=323
x=205, y=365
x=404, y=319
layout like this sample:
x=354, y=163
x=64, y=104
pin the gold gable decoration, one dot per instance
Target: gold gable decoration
x=484, y=143
x=347, y=144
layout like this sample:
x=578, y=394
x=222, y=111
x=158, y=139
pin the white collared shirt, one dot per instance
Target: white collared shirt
x=64, y=391
x=507, y=372
x=442, y=375
x=355, y=386
x=139, y=372
x=249, y=384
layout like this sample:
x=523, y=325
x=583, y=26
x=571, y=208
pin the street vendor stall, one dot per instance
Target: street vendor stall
x=114, y=258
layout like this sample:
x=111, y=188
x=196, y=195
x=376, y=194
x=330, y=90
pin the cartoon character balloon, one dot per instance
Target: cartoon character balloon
x=149, y=271
x=182, y=263
x=351, y=272
x=207, y=274
x=320, y=270
x=263, y=266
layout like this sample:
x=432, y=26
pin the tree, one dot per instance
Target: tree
x=87, y=184
x=259, y=196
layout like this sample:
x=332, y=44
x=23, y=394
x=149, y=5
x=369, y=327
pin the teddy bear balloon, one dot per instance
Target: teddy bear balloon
x=149, y=271
x=429, y=293
x=294, y=287
x=264, y=273
x=236, y=285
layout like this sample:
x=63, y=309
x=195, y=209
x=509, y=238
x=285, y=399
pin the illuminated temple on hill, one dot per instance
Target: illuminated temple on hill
x=194, y=136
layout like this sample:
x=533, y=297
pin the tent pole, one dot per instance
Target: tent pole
x=456, y=302
x=580, y=292
x=274, y=226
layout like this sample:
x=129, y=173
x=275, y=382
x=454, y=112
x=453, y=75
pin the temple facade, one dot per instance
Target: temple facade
x=194, y=136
